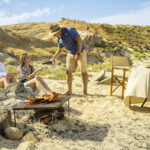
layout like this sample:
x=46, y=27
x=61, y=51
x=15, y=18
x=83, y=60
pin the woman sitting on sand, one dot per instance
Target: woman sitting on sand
x=5, y=79
x=26, y=75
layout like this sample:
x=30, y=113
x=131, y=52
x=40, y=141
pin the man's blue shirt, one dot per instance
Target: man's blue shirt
x=67, y=40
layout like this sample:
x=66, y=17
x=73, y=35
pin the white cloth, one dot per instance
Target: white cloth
x=2, y=70
x=138, y=86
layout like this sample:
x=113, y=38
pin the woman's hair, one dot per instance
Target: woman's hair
x=22, y=59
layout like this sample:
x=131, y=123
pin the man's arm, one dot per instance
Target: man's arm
x=57, y=54
x=79, y=47
x=79, y=44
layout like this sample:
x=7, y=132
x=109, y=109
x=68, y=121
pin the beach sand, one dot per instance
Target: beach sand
x=96, y=122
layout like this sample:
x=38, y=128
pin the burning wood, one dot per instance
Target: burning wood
x=43, y=99
x=46, y=116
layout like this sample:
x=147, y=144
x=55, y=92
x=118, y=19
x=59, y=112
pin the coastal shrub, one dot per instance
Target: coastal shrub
x=108, y=48
x=52, y=49
x=100, y=45
x=138, y=56
x=11, y=69
x=11, y=61
x=137, y=49
x=57, y=74
x=105, y=66
x=94, y=67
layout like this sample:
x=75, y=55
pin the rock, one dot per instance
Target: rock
x=30, y=137
x=95, y=82
x=25, y=118
x=15, y=88
x=106, y=81
x=5, y=120
x=91, y=40
x=26, y=146
x=27, y=92
x=13, y=133
x=12, y=95
x=3, y=94
x=99, y=77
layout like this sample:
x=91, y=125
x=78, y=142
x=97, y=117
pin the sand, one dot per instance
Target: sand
x=96, y=122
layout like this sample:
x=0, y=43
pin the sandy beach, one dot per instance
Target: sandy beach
x=96, y=122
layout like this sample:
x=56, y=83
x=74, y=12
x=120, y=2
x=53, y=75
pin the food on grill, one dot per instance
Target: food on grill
x=43, y=99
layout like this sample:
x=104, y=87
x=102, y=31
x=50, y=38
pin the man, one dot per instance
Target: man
x=5, y=79
x=70, y=39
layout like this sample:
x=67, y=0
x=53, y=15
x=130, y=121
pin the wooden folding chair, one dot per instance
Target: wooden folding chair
x=123, y=63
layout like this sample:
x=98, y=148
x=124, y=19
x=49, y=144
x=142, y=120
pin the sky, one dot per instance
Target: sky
x=126, y=12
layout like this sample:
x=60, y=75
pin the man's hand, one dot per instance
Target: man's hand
x=77, y=58
x=53, y=61
x=48, y=62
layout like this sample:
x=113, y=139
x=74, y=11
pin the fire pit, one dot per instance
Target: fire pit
x=52, y=107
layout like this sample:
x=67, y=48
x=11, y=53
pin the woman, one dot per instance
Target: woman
x=5, y=79
x=26, y=75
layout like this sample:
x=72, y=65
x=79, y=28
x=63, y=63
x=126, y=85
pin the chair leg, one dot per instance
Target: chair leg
x=123, y=83
x=111, y=83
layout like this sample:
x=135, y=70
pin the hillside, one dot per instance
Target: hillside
x=102, y=40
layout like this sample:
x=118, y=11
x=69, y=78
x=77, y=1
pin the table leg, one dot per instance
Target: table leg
x=52, y=124
x=14, y=117
x=144, y=102
x=68, y=109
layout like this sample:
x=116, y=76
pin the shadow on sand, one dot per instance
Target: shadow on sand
x=78, y=130
x=140, y=109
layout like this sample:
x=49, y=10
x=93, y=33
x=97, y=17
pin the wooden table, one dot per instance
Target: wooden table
x=43, y=106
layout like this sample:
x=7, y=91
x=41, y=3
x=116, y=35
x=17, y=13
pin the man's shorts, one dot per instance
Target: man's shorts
x=71, y=64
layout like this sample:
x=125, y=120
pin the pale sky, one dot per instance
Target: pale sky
x=132, y=12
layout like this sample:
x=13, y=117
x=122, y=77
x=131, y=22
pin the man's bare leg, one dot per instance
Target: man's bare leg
x=69, y=78
x=85, y=82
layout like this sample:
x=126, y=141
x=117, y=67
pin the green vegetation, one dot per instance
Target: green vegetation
x=11, y=69
x=94, y=67
x=11, y=61
x=78, y=85
x=138, y=56
x=31, y=38
x=79, y=74
x=100, y=45
x=57, y=74
x=106, y=47
x=137, y=49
